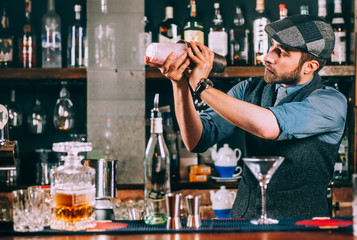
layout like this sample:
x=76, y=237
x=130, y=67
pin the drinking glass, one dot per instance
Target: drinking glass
x=37, y=119
x=46, y=204
x=63, y=114
x=263, y=168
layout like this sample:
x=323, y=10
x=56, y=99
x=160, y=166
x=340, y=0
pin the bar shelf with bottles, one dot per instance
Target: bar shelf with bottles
x=206, y=15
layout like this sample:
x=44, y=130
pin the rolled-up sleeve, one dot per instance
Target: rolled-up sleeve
x=322, y=113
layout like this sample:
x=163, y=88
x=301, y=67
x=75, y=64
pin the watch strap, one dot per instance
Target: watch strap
x=203, y=84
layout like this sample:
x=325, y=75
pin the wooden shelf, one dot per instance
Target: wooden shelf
x=256, y=71
x=43, y=73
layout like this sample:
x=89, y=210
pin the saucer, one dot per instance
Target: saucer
x=232, y=179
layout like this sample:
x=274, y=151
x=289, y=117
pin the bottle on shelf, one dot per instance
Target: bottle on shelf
x=76, y=40
x=157, y=170
x=169, y=30
x=283, y=11
x=51, y=38
x=73, y=189
x=322, y=11
x=218, y=36
x=104, y=38
x=145, y=38
x=63, y=113
x=338, y=56
x=108, y=152
x=341, y=170
x=193, y=29
x=304, y=9
x=260, y=37
x=15, y=111
x=170, y=137
x=27, y=43
x=238, y=41
x=6, y=41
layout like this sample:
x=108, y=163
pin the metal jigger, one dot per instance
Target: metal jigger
x=193, y=209
x=173, y=209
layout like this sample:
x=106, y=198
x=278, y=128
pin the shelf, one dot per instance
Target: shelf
x=256, y=71
x=43, y=73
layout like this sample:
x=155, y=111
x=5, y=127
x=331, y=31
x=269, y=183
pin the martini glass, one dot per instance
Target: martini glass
x=263, y=168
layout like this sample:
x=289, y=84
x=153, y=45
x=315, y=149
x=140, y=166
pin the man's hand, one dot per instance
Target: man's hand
x=172, y=69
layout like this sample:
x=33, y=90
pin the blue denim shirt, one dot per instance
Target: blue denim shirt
x=322, y=113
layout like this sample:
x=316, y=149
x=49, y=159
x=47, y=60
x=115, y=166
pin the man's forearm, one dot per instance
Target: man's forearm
x=186, y=115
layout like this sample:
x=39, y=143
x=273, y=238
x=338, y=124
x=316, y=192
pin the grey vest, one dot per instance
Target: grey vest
x=298, y=188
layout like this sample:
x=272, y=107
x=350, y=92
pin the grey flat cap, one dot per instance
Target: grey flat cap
x=305, y=33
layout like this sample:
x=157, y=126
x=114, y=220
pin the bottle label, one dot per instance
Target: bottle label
x=164, y=39
x=339, y=52
x=144, y=41
x=156, y=125
x=6, y=50
x=194, y=35
x=260, y=39
x=338, y=166
x=218, y=42
x=52, y=37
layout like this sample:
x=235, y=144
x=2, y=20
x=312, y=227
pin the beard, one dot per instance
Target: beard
x=290, y=78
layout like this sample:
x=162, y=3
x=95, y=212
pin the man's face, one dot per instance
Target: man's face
x=282, y=65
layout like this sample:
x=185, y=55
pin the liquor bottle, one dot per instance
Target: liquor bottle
x=193, y=29
x=6, y=41
x=304, y=10
x=260, y=38
x=170, y=137
x=338, y=55
x=238, y=41
x=108, y=152
x=157, y=170
x=15, y=112
x=145, y=38
x=104, y=38
x=51, y=38
x=283, y=11
x=341, y=171
x=73, y=189
x=169, y=31
x=27, y=44
x=217, y=36
x=322, y=11
x=76, y=40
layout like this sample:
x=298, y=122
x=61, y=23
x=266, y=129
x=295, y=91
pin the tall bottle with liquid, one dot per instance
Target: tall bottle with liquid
x=157, y=170
x=76, y=40
x=6, y=41
x=260, y=37
x=27, y=43
x=218, y=36
x=51, y=38
x=169, y=30
x=193, y=29
x=338, y=56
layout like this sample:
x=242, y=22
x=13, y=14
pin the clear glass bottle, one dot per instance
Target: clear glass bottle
x=239, y=46
x=63, y=113
x=76, y=40
x=6, y=41
x=144, y=39
x=338, y=56
x=104, y=40
x=260, y=37
x=170, y=137
x=193, y=29
x=304, y=9
x=169, y=30
x=322, y=11
x=108, y=152
x=51, y=38
x=72, y=189
x=157, y=170
x=15, y=112
x=218, y=36
x=27, y=43
x=283, y=11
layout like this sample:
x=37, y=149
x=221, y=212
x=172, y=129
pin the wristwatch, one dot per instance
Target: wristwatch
x=203, y=84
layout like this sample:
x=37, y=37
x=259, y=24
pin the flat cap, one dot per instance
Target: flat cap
x=305, y=33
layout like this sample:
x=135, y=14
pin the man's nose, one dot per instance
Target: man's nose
x=269, y=57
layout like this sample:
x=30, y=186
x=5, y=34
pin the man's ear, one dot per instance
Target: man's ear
x=310, y=66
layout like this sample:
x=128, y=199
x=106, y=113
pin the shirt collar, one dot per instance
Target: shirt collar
x=292, y=89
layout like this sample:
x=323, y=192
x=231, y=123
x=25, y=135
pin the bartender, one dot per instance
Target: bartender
x=288, y=113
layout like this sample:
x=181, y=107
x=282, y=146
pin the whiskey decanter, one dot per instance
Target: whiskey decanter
x=72, y=189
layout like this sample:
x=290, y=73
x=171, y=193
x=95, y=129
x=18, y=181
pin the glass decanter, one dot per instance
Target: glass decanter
x=72, y=189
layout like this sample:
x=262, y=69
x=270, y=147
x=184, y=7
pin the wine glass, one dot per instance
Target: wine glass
x=263, y=168
x=37, y=119
x=63, y=114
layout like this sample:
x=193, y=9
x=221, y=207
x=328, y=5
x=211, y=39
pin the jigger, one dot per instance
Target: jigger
x=173, y=210
x=193, y=209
